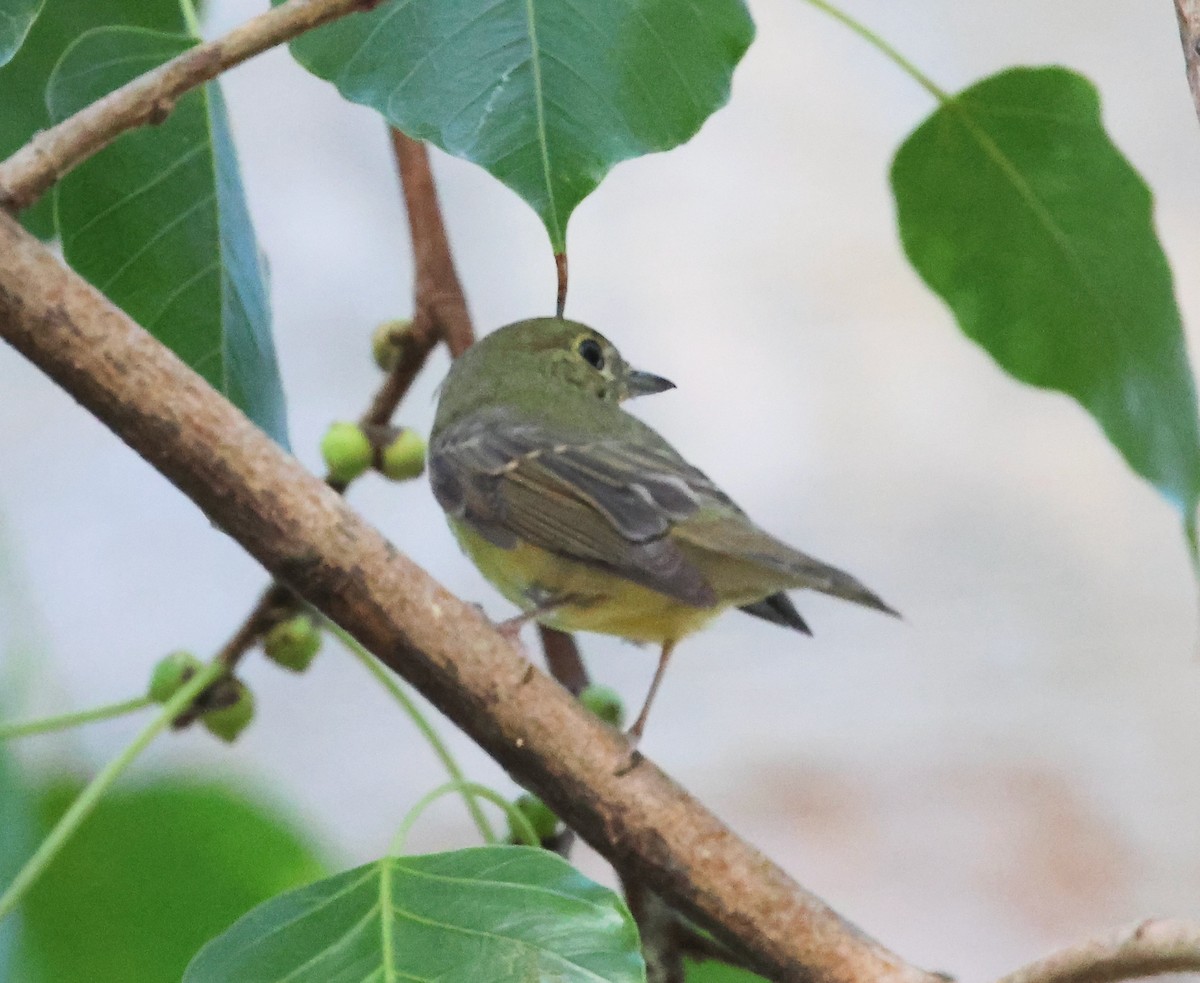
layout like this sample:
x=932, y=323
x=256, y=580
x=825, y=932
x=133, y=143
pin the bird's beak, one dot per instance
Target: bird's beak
x=647, y=384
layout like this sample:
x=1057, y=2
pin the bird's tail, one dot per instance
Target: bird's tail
x=741, y=558
x=818, y=576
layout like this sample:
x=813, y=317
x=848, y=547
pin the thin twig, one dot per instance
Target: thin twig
x=274, y=604
x=438, y=292
x=657, y=925
x=150, y=98
x=310, y=539
x=1149, y=948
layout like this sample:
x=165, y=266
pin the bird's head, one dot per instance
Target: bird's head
x=560, y=355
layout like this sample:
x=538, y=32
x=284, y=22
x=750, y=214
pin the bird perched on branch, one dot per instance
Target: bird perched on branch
x=582, y=515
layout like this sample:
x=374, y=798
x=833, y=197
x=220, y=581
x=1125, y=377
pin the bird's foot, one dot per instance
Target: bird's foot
x=510, y=628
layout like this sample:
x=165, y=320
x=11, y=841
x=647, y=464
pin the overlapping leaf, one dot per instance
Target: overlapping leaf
x=151, y=875
x=1017, y=209
x=23, y=81
x=500, y=914
x=16, y=18
x=158, y=222
x=547, y=95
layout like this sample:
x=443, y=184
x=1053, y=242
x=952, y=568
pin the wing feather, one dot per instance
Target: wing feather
x=606, y=501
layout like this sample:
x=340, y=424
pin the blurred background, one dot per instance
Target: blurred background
x=1011, y=767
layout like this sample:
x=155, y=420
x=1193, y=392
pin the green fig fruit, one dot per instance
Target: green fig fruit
x=347, y=451
x=294, y=643
x=228, y=722
x=543, y=821
x=170, y=675
x=605, y=703
x=388, y=342
x=404, y=457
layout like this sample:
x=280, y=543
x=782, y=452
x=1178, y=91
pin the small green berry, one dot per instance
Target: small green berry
x=543, y=821
x=171, y=673
x=294, y=643
x=604, y=703
x=347, y=451
x=228, y=722
x=404, y=457
x=388, y=341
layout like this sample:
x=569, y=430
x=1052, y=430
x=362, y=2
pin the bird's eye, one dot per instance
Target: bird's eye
x=590, y=351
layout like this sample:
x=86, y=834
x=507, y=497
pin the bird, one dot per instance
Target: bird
x=586, y=518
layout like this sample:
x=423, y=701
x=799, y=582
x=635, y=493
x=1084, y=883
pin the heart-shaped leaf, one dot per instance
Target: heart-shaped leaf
x=23, y=81
x=546, y=95
x=503, y=914
x=153, y=873
x=16, y=18
x=158, y=222
x=1016, y=207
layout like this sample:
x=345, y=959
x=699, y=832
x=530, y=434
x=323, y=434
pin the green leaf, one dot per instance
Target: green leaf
x=23, y=80
x=1017, y=209
x=16, y=18
x=503, y=914
x=158, y=222
x=546, y=95
x=152, y=875
x=16, y=844
x=715, y=972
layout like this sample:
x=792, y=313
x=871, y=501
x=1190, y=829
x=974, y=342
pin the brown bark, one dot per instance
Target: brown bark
x=1149, y=948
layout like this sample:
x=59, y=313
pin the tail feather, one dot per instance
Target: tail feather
x=830, y=580
x=722, y=535
x=779, y=610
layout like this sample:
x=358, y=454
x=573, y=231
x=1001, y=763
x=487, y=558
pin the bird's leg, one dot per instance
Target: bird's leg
x=510, y=628
x=635, y=732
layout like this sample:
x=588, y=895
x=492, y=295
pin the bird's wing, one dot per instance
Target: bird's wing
x=606, y=501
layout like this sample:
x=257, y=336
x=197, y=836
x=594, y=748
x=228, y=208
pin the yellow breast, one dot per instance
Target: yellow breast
x=601, y=601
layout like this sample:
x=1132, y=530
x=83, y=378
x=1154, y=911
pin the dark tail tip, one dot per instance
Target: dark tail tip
x=875, y=601
x=779, y=610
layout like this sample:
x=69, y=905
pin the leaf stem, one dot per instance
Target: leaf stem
x=63, y=721
x=86, y=801
x=879, y=43
x=520, y=822
x=190, y=20
x=409, y=706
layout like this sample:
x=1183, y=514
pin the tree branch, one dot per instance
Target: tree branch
x=150, y=98
x=308, y=538
x=1187, y=12
x=1147, y=949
